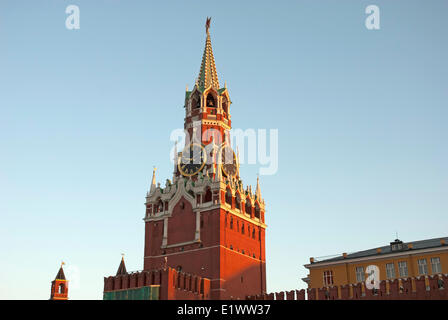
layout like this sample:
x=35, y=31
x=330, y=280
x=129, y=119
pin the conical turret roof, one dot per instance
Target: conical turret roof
x=122, y=268
x=60, y=275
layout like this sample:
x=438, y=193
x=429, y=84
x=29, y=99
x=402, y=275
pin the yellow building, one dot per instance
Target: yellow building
x=396, y=261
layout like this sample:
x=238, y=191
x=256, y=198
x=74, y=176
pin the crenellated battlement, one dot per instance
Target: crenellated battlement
x=282, y=295
x=416, y=288
x=166, y=284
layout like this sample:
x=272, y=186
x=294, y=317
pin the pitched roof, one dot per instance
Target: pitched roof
x=60, y=275
x=122, y=268
x=207, y=74
x=416, y=245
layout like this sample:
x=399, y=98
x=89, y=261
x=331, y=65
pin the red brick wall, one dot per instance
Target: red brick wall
x=173, y=285
x=182, y=223
x=412, y=289
x=232, y=273
x=54, y=294
x=153, y=238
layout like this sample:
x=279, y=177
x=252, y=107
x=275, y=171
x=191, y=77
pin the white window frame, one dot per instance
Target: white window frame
x=422, y=266
x=436, y=267
x=403, y=269
x=328, y=278
x=360, y=274
x=390, y=270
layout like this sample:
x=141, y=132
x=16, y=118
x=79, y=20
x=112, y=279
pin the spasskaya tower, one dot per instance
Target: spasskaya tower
x=204, y=221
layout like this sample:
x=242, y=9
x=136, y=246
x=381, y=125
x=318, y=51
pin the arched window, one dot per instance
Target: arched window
x=231, y=222
x=253, y=233
x=61, y=288
x=225, y=104
x=248, y=206
x=229, y=197
x=238, y=201
x=195, y=101
x=242, y=228
x=210, y=101
x=257, y=211
x=208, y=195
x=159, y=206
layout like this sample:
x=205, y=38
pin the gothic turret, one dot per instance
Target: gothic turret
x=59, y=286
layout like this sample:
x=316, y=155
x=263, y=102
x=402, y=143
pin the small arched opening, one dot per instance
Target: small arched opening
x=159, y=205
x=208, y=195
x=248, y=207
x=238, y=201
x=257, y=211
x=225, y=105
x=229, y=196
x=210, y=101
x=196, y=101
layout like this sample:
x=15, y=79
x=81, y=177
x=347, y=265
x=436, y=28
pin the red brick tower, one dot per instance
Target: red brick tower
x=59, y=286
x=205, y=222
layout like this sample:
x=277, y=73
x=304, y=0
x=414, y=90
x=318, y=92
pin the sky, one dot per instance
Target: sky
x=86, y=113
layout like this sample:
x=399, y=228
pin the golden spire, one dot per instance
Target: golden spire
x=153, y=182
x=208, y=75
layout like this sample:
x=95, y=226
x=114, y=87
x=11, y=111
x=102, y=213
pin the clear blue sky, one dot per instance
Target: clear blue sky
x=85, y=115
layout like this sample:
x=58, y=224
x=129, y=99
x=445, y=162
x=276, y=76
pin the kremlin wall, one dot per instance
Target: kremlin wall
x=398, y=289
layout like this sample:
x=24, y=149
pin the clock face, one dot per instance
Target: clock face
x=192, y=160
x=228, y=161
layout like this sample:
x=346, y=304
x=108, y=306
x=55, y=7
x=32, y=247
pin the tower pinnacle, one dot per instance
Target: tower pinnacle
x=122, y=267
x=208, y=75
x=59, y=286
x=258, y=190
x=153, y=182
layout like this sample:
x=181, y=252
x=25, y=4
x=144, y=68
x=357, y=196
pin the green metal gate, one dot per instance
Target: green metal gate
x=143, y=293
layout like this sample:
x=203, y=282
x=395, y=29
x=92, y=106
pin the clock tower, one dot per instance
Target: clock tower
x=204, y=221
